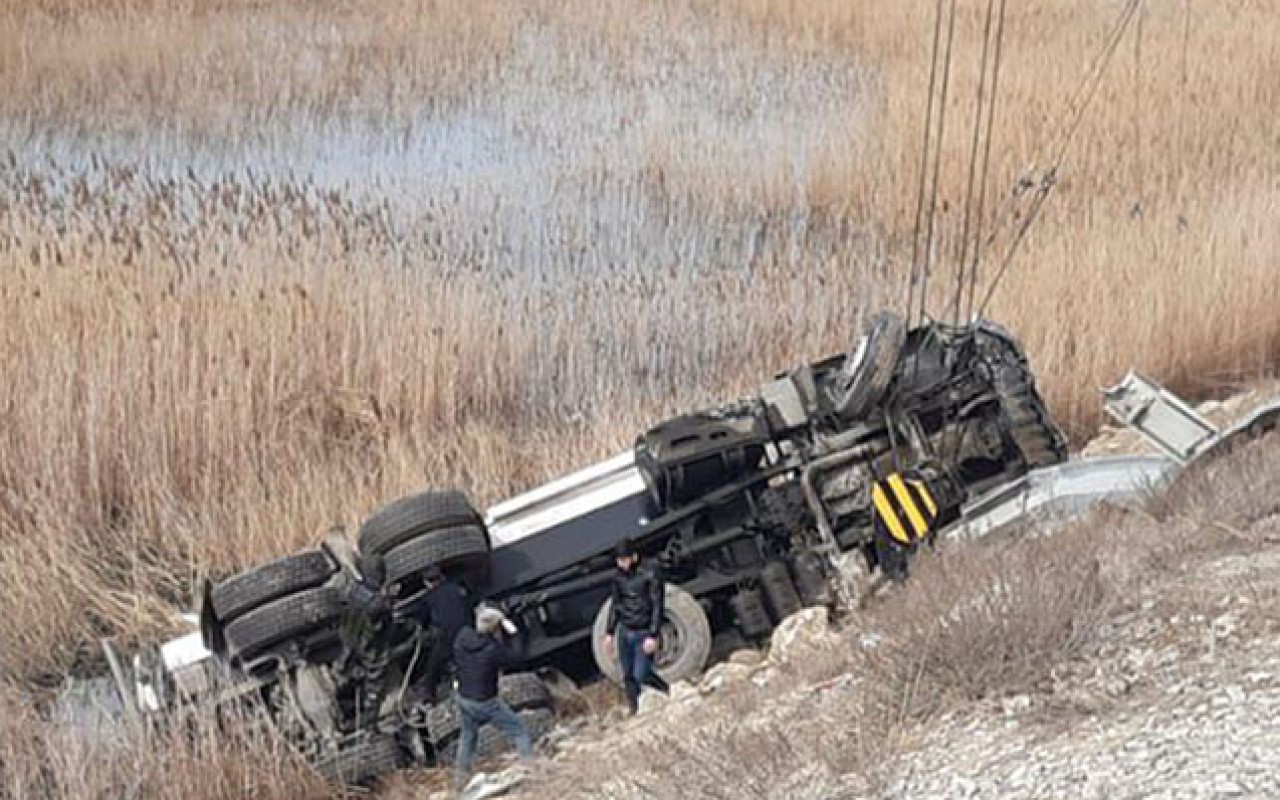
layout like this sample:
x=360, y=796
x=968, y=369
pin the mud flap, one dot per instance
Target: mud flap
x=212, y=635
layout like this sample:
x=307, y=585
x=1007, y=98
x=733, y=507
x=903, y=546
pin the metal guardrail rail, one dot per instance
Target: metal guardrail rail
x=1051, y=496
x=1048, y=498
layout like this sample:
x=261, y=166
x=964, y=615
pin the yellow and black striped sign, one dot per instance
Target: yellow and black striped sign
x=905, y=507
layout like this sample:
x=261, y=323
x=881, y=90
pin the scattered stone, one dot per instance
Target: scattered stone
x=722, y=675
x=801, y=631
x=494, y=784
x=683, y=691
x=1015, y=704
x=651, y=701
x=746, y=657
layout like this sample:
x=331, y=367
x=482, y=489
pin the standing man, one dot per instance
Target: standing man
x=365, y=631
x=443, y=613
x=480, y=657
x=635, y=621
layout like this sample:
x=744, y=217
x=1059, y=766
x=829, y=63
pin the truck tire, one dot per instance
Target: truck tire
x=784, y=600
x=874, y=362
x=491, y=742
x=442, y=722
x=523, y=691
x=283, y=619
x=686, y=641
x=411, y=517
x=359, y=762
x=233, y=597
x=463, y=547
x=1027, y=421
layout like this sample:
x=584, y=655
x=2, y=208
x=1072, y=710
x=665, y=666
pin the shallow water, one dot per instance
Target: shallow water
x=563, y=162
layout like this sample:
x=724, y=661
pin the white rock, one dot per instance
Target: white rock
x=1012, y=705
x=722, y=675
x=682, y=691
x=746, y=657
x=802, y=630
x=651, y=701
x=494, y=784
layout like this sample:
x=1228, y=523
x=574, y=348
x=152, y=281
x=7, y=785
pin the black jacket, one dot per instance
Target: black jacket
x=637, y=600
x=445, y=607
x=479, y=659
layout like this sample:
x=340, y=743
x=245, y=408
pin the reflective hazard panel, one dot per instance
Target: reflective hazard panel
x=905, y=508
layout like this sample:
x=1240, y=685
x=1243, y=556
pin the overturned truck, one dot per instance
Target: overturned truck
x=749, y=508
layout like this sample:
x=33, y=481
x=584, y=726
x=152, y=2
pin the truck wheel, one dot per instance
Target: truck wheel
x=523, y=691
x=869, y=369
x=233, y=597
x=491, y=741
x=283, y=619
x=442, y=722
x=464, y=547
x=411, y=517
x=686, y=639
x=360, y=762
x=1039, y=442
x=780, y=589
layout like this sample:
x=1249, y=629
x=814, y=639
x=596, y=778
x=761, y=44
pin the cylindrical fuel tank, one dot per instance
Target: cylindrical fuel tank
x=811, y=579
x=750, y=613
x=779, y=590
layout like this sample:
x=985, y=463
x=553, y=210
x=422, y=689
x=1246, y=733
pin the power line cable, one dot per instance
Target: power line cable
x=986, y=160
x=924, y=163
x=1080, y=103
x=937, y=161
x=975, y=144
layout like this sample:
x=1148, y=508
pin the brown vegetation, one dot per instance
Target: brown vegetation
x=196, y=758
x=979, y=622
x=205, y=366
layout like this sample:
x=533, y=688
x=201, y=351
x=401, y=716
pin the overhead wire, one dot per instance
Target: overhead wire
x=1077, y=106
x=1138, y=176
x=1181, y=141
x=975, y=173
x=931, y=219
x=924, y=163
x=986, y=161
x=979, y=167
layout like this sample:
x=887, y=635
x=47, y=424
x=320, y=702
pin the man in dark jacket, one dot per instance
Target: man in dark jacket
x=364, y=631
x=443, y=612
x=635, y=621
x=480, y=657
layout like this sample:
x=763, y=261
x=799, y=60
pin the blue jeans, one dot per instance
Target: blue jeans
x=476, y=713
x=637, y=665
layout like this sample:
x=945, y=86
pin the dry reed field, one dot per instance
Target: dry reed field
x=267, y=265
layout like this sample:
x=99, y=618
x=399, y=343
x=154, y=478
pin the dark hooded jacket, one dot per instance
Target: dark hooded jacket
x=445, y=607
x=479, y=659
x=638, y=597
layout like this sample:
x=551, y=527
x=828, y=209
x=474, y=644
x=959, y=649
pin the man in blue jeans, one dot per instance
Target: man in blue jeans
x=635, y=621
x=480, y=657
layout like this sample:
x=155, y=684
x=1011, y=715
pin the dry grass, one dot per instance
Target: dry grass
x=977, y=623
x=268, y=265
x=44, y=760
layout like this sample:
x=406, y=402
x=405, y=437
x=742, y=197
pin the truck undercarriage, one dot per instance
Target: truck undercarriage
x=748, y=509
